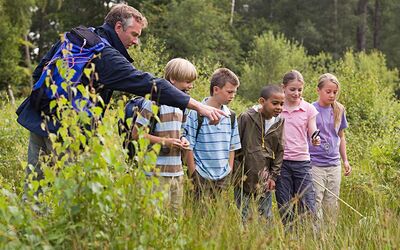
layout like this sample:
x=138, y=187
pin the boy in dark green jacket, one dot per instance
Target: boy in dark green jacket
x=258, y=162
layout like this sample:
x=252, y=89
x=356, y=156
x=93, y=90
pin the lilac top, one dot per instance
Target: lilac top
x=327, y=154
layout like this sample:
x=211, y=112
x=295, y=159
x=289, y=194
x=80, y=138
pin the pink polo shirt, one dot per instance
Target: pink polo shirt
x=295, y=131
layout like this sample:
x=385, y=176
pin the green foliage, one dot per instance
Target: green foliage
x=271, y=57
x=13, y=144
x=14, y=21
x=93, y=198
x=206, y=35
x=151, y=56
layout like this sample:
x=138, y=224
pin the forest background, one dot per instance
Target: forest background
x=93, y=205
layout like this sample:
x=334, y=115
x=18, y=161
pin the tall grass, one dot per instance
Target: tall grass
x=98, y=200
x=96, y=203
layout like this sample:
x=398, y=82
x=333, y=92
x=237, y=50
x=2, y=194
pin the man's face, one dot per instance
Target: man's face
x=130, y=35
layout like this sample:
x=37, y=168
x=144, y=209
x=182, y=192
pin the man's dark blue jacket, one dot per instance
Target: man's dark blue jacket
x=116, y=72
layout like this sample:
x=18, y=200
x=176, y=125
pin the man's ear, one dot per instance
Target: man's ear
x=118, y=27
x=261, y=100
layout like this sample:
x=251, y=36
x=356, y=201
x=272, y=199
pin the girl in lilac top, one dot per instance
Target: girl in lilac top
x=295, y=179
x=325, y=158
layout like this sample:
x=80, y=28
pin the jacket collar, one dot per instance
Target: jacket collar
x=108, y=32
x=255, y=116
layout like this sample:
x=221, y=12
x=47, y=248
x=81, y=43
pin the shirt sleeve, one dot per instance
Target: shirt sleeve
x=117, y=73
x=143, y=119
x=343, y=123
x=190, y=128
x=312, y=111
x=235, y=138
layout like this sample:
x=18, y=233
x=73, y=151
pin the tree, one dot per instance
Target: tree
x=271, y=57
x=377, y=23
x=207, y=34
x=14, y=23
x=361, y=12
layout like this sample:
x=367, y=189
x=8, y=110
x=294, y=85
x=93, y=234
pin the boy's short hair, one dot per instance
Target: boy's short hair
x=267, y=91
x=180, y=69
x=222, y=76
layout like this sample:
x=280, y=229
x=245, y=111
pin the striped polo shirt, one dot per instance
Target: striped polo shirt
x=213, y=144
x=169, y=161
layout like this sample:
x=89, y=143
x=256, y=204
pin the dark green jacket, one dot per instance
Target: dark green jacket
x=253, y=158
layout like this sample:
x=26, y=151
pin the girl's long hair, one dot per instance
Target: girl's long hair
x=338, y=108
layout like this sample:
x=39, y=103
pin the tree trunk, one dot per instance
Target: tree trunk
x=362, y=25
x=377, y=23
x=232, y=12
x=10, y=94
x=335, y=29
x=28, y=62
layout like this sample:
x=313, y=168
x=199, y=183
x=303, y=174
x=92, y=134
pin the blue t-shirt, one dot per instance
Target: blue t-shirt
x=327, y=154
x=213, y=145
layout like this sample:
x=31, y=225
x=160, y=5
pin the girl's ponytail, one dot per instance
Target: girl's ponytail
x=338, y=110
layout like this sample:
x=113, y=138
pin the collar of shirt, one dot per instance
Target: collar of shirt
x=224, y=107
x=108, y=32
x=302, y=106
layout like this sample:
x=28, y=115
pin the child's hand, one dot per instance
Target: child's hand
x=270, y=185
x=172, y=142
x=185, y=143
x=347, y=168
x=315, y=139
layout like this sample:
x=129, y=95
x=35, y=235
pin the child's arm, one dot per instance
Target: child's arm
x=231, y=159
x=189, y=133
x=190, y=162
x=312, y=127
x=144, y=119
x=234, y=144
x=277, y=162
x=170, y=142
x=343, y=153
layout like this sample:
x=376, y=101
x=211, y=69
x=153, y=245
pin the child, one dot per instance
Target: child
x=212, y=147
x=181, y=73
x=325, y=159
x=295, y=180
x=260, y=159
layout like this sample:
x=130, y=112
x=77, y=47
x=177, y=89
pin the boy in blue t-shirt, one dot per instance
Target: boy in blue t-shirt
x=212, y=147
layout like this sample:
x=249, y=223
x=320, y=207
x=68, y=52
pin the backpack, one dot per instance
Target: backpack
x=63, y=73
x=132, y=108
x=200, y=120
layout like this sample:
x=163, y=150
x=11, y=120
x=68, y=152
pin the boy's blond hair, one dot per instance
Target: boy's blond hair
x=180, y=69
x=222, y=76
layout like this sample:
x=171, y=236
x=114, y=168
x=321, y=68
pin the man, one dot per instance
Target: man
x=122, y=28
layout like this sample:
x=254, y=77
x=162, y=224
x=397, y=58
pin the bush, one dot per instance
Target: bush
x=271, y=57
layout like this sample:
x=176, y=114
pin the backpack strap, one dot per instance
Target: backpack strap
x=233, y=118
x=200, y=120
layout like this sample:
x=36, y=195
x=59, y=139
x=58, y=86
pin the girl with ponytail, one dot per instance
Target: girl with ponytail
x=325, y=158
